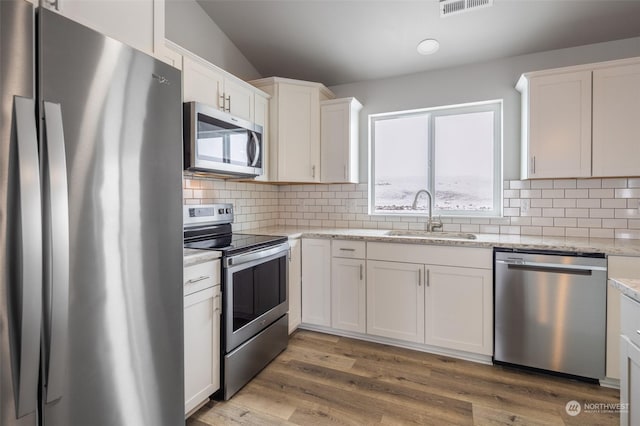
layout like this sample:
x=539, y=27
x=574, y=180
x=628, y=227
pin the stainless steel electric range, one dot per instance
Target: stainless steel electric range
x=254, y=292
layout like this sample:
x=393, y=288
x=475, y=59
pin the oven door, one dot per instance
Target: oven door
x=255, y=292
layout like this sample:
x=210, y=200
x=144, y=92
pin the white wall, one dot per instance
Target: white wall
x=188, y=25
x=469, y=83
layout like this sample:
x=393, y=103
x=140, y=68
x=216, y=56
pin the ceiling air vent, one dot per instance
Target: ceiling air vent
x=454, y=7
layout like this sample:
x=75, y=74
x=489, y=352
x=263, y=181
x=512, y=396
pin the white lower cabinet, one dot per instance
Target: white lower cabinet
x=316, y=281
x=395, y=300
x=295, y=275
x=630, y=362
x=202, y=309
x=348, y=294
x=458, y=308
x=201, y=346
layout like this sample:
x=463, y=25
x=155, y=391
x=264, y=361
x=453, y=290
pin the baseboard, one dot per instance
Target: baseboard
x=467, y=356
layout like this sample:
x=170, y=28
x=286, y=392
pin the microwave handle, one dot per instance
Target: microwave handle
x=256, y=150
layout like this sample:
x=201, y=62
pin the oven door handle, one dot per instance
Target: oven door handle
x=233, y=261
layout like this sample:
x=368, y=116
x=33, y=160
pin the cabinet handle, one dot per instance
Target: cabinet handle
x=221, y=104
x=362, y=275
x=313, y=172
x=427, y=278
x=533, y=165
x=202, y=278
x=419, y=277
x=289, y=255
x=229, y=105
x=347, y=249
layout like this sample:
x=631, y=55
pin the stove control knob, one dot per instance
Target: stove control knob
x=228, y=211
x=220, y=211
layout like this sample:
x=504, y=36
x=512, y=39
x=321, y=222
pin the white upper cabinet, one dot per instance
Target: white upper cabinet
x=238, y=99
x=131, y=22
x=556, y=128
x=261, y=118
x=581, y=121
x=294, y=128
x=200, y=83
x=616, y=127
x=205, y=83
x=339, y=140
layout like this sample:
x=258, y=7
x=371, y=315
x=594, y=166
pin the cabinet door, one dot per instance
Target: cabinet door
x=629, y=382
x=130, y=22
x=295, y=296
x=560, y=125
x=201, y=346
x=201, y=83
x=261, y=118
x=348, y=294
x=316, y=282
x=339, y=147
x=298, y=133
x=238, y=99
x=617, y=267
x=616, y=128
x=395, y=300
x=459, y=309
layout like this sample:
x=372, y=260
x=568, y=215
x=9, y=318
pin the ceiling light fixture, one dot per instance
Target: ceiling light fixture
x=428, y=46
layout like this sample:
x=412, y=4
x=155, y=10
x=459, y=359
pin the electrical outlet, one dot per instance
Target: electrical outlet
x=525, y=204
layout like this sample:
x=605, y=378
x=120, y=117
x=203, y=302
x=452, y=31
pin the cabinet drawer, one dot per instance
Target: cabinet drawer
x=346, y=248
x=201, y=276
x=630, y=314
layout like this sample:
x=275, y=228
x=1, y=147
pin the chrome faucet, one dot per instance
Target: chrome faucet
x=431, y=223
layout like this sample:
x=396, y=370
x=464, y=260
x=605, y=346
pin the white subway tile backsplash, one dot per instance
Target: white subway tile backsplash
x=589, y=183
x=601, y=233
x=594, y=208
x=541, y=202
x=539, y=184
x=588, y=203
x=576, y=193
x=577, y=232
x=601, y=193
x=628, y=193
x=565, y=183
x=519, y=184
x=601, y=213
x=614, y=183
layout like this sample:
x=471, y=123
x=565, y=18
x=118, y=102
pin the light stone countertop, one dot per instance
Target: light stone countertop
x=193, y=257
x=627, y=286
x=623, y=247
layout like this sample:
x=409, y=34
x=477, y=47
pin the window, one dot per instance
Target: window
x=453, y=152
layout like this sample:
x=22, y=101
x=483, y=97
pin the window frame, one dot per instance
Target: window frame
x=495, y=106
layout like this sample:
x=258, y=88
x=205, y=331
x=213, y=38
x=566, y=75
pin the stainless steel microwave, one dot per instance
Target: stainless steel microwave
x=217, y=142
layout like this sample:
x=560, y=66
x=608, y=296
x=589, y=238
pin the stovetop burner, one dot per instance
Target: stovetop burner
x=208, y=227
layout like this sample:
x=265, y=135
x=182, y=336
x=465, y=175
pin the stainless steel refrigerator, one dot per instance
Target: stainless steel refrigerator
x=91, y=323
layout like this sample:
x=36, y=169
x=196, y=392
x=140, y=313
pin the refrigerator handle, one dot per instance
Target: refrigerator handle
x=56, y=259
x=26, y=340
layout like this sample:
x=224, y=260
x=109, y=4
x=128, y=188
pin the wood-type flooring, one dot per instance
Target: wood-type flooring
x=323, y=379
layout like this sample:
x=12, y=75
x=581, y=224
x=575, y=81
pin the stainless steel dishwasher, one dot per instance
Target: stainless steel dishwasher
x=550, y=311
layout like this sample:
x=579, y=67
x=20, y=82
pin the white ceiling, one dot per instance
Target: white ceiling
x=336, y=42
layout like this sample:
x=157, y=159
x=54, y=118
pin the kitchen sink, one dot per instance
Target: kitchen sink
x=436, y=235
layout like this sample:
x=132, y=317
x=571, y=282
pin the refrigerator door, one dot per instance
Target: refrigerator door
x=121, y=120
x=20, y=234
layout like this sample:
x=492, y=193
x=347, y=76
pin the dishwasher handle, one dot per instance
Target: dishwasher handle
x=558, y=268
